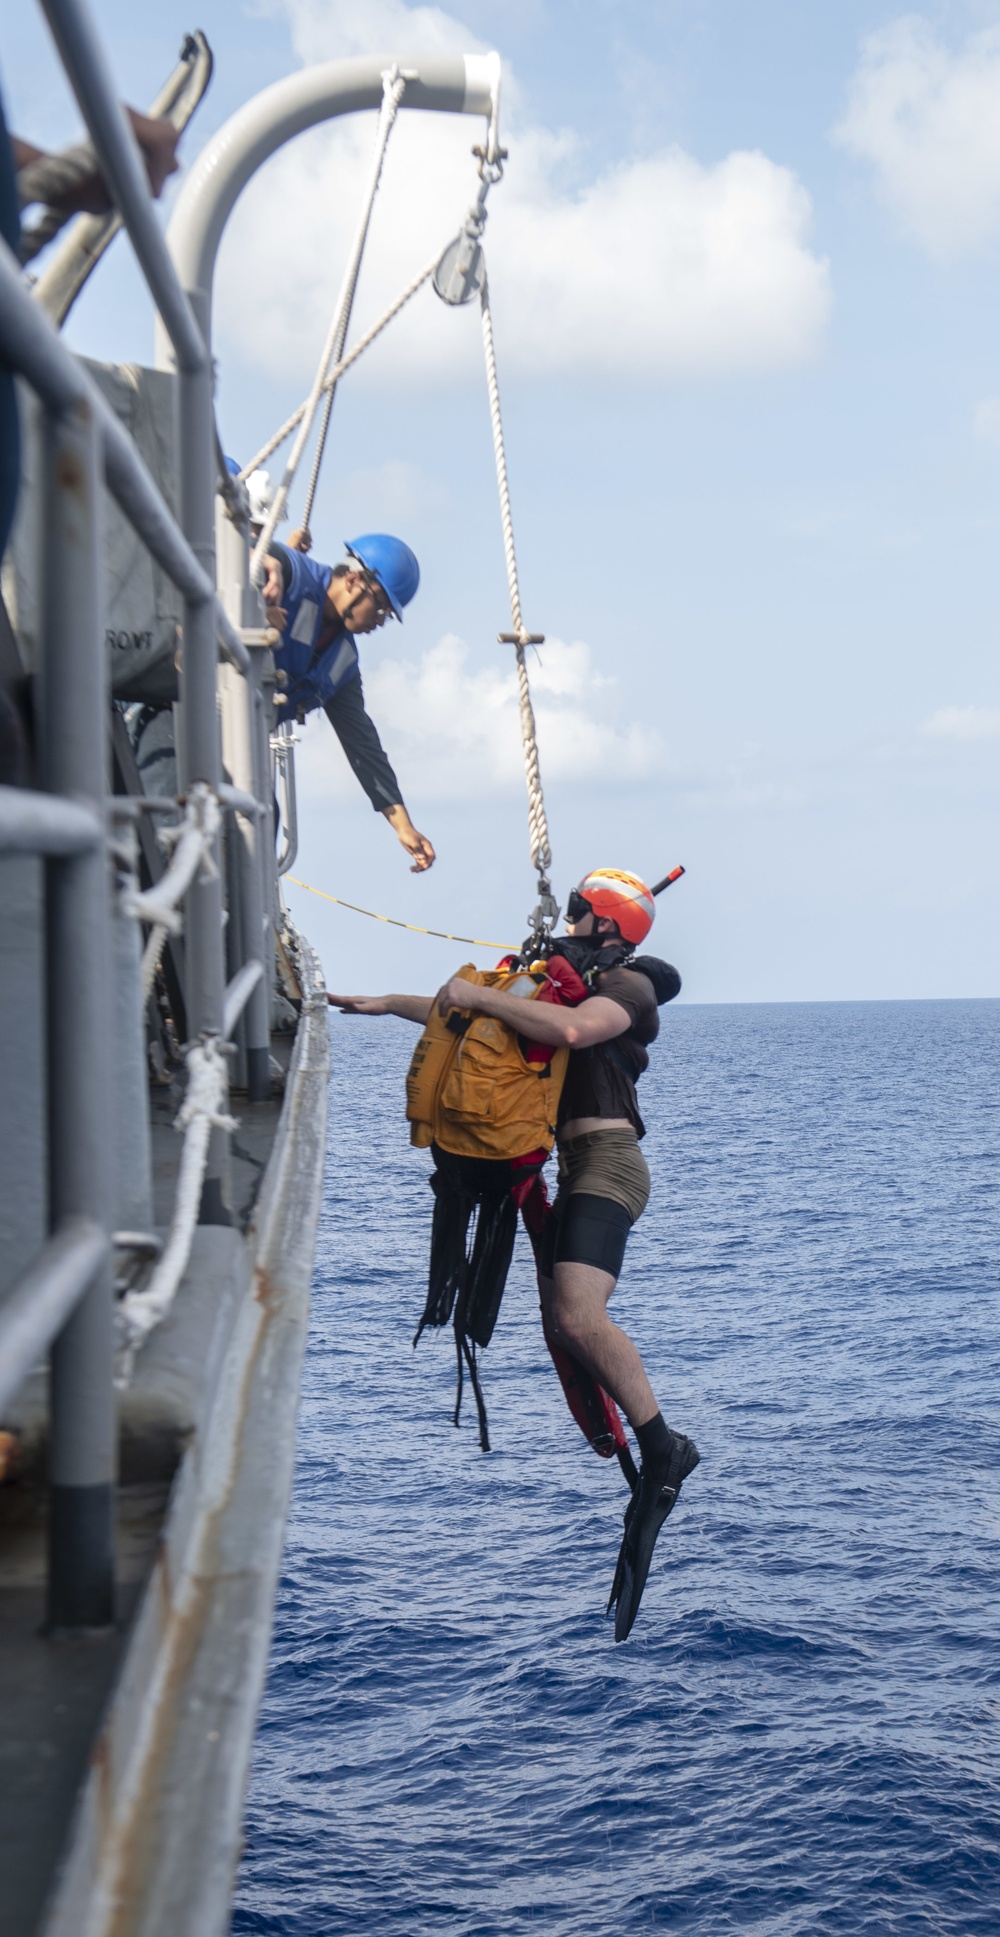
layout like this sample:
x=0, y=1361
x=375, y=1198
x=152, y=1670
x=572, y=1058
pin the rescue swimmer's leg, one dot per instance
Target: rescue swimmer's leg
x=575, y=1299
x=575, y=1302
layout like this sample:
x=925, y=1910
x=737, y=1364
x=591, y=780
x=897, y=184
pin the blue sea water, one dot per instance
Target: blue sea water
x=801, y=1734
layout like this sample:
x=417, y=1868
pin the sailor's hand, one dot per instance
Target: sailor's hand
x=360, y=1005
x=410, y=838
x=272, y=591
x=300, y=540
x=419, y=846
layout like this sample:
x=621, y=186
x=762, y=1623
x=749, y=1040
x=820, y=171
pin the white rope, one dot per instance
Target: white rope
x=330, y=382
x=192, y=842
x=201, y=1113
x=393, y=88
x=541, y=852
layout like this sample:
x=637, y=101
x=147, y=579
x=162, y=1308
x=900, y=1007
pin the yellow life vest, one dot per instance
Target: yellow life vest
x=470, y=1087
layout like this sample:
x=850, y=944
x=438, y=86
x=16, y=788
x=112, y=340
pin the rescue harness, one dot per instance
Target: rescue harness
x=485, y=1100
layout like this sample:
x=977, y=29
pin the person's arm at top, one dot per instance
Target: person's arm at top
x=412, y=1008
x=157, y=139
x=358, y=735
x=277, y=578
x=599, y=1019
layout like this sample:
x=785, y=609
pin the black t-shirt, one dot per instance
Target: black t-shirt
x=601, y=1081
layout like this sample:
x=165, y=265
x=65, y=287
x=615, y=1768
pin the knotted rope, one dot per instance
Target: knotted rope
x=192, y=843
x=546, y=913
x=201, y=1112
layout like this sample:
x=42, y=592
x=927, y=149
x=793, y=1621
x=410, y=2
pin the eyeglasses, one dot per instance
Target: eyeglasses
x=576, y=907
x=383, y=608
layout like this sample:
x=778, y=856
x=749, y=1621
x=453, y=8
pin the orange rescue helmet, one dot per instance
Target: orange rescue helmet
x=622, y=897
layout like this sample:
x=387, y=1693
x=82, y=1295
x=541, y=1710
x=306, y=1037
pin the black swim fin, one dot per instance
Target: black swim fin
x=654, y=1498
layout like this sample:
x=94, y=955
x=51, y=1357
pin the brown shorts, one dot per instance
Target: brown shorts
x=606, y=1163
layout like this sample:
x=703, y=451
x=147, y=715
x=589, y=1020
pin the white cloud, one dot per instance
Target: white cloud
x=393, y=493
x=655, y=267
x=928, y=120
x=986, y=421
x=326, y=30
x=452, y=728
x=963, y=724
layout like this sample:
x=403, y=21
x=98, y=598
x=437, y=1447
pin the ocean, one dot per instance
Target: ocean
x=801, y=1734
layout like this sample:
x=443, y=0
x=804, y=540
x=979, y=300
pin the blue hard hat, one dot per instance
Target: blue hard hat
x=391, y=562
x=232, y=467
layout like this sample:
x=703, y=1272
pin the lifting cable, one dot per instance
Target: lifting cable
x=546, y=914
x=393, y=89
x=439, y=933
x=337, y=372
x=459, y=274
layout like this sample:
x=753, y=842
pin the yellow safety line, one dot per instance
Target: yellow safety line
x=476, y=940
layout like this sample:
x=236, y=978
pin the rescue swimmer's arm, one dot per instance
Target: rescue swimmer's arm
x=596, y=1020
x=412, y=1008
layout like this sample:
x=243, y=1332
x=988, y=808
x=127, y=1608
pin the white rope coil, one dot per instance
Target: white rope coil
x=538, y=830
x=202, y=1112
x=393, y=89
x=193, y=843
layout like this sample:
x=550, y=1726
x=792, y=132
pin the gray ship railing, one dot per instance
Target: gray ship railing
x=64, y=1301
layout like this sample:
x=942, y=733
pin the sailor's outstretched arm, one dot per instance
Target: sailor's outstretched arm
x=599, y=1019
x=412, y=1008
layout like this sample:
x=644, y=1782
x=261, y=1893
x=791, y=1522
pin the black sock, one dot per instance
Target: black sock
x=655, y=1443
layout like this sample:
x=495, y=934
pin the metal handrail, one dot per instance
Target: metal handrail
x=37, y=823
x=35, y=1309
x=238, y=993
x=33, y=346
x=236, y=801
x=64, y=1302
x=283, y=746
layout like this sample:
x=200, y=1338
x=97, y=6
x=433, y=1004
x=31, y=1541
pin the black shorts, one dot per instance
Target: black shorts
x=584, y=1229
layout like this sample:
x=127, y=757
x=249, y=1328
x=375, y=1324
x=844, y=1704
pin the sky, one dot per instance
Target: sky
x=744, y=272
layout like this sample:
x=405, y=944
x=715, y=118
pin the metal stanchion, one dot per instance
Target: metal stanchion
x=201, y=758
x=73, y=720
x=239, y=709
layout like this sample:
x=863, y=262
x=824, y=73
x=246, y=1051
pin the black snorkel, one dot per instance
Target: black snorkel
x=663, y=975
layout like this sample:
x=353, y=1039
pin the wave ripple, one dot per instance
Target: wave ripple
x=801, y=1735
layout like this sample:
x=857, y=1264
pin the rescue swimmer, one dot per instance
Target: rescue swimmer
x=603, y=1176
x=320, y=610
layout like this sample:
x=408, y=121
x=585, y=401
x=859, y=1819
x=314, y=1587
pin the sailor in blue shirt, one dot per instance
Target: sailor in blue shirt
x=319, y=610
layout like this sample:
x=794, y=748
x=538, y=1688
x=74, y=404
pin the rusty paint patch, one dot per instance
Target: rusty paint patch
x=10, y=1457
x=71, y=475
x=266, y=1293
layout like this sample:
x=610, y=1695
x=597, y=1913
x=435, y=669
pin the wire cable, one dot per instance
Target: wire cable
x=439, y=933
